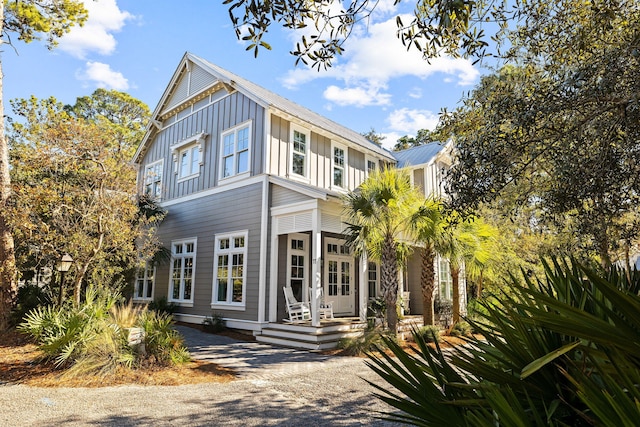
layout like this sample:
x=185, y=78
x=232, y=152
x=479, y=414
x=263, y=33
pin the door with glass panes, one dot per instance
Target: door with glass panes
x=339, y=277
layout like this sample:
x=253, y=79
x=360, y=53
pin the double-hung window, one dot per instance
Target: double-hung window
x=188, y=156
x=144, y=283
x=299, y=152
x=153, y=179
x=339, y=162
x=183, y=269
x=229, y=271
x=236, y=144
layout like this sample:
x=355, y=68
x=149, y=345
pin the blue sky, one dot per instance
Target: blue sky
x=135, y=45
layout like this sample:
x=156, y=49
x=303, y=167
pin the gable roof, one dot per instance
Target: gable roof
x=419, y=155
x=264, y=97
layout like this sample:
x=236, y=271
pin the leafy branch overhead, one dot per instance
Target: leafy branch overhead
x=451, y=27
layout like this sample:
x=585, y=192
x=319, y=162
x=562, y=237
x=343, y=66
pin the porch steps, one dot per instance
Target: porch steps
x=305, y=336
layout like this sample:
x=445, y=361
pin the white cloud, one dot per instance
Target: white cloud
x=409, y=122
x=101, y=75
x=96, y=35
x=373, y=59
x=356, y=96
x=415, y=93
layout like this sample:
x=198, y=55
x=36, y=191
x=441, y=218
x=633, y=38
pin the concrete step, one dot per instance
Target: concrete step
x=306, y=337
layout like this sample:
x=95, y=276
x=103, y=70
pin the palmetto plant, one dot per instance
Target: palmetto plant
x=559, y=351
x=93, y=338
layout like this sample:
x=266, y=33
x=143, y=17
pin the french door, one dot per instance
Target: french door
x=339, y=282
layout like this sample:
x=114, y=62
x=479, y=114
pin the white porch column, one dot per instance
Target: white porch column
x=316, y=251
x=364, y=288
x=274, y=286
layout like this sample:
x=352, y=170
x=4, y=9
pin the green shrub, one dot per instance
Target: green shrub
x=461, y=329
x=563, y=351
x=214, y=323
x=162, y=305
x=429, y=333
x=28, y=298
x=370, y=340
x=93, y=338
x=163, y=343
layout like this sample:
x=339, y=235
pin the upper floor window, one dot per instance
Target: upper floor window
x=235, y=150
x=372, y=165
x=187, y=156
x=153, y=179
x=299, y=152
x=189, y=161
x=229, y=272
x=183, y=268
x=339, y=162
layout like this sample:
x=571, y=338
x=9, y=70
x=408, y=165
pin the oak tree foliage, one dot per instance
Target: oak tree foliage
x=29, y=20
x=74, y=186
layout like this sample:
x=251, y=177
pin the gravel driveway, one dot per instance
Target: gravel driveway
x=276, y=387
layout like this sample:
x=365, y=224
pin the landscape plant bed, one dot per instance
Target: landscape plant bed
x=21, y=363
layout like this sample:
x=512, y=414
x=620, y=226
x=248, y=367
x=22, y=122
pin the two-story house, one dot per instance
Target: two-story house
x=252, y=184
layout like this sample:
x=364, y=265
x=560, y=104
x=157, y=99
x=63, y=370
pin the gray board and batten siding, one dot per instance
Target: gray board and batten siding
x=203, y=218
x=214, y=119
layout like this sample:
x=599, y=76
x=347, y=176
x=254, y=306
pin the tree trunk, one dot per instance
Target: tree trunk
x=427, y=281
x=479, y=286
x=8, y=283
x=455, y=285
x=389, y=282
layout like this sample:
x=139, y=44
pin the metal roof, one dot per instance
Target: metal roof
x=418, y=155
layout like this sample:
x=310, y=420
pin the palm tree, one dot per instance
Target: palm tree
x=379, y=217
x=468, y=243
x=428, y=223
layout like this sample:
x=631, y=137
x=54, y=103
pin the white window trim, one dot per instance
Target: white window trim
x=344, y=167
x=367, y=159
x=183, y=302
x=304, y=252
x=153, y=285
x=176, y=149
x=234, y=129
x=378, y=291
x=448, y=287
x=152, y=166
x=307, y=133
x=214, y=288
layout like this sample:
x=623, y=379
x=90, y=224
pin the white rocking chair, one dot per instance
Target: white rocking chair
x=298, y=311
x=325, y=308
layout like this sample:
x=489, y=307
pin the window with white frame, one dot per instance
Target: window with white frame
x=189, y=161
x=188, y=157
x=236, y=144
x=299, y=152
x=153, y=179
x=229, y=271
x=445, y=282
x=144, y=283
x=373, y=279
x=372, y=165
x=339, y=162
x=183, y=268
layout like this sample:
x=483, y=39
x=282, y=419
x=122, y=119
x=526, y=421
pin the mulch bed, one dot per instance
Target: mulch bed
x=21, y=362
